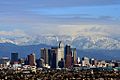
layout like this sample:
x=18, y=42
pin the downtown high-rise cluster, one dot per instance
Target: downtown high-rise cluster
x=58, y=57
x=61, y=56
x=55, y=57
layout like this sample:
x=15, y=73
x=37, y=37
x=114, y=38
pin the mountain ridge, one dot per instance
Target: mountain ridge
x=92, y=41
x=7, y=48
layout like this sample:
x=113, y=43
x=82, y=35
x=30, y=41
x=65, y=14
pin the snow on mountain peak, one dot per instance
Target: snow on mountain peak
x=3, y=40
x=83, y=38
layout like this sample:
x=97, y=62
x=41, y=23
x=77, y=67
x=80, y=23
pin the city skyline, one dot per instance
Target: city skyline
x=59, y=39
x=56, y=57
x=60, y=62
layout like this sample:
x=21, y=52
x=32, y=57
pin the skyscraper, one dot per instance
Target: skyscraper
x=74, y=56
x=68, y=57
x=42, y=64
x=58, y=54
x=49, y=57
x=44, y=56
x=61, y=63
x=31, y=59
x=53, y=58
x=4, y=62
x=61, y=49
x=14, y=57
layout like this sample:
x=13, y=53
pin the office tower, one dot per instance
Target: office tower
x=44, y=56
x=58, y=53
x=68, y=57
x=93, y=62
x=14, y=57
x=74, y=56
x=26, y=61
x=78, y=60
x=38, y=63
x=21, y=61
x=4, y=62
x=85, y=61
x=61, y=63
x=61, y=49
x=42, y=64
x=49, y=57
x=53, y=58
x=67, y=51
x=31, y=60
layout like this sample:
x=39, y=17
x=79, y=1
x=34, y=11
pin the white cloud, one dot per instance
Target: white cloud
x=14, y=33
x=89, y=29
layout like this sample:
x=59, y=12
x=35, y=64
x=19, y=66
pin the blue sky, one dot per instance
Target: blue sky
x=45, y=16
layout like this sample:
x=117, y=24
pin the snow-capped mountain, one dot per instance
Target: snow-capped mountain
x=95, y=41
x=4, y=40
x=92, y=42
x=82, y=38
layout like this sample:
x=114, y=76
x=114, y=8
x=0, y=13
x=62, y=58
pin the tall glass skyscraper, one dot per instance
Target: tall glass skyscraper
x=68, y=56
x=14, y=57
x=31, y=60
x=44, y=56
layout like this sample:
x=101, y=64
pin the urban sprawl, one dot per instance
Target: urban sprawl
x=60, y=63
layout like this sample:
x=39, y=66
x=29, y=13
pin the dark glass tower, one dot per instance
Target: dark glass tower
x=44, y=56
x=14, y=57
x=53, y=58
x=68, y=57
x=31, y=59
x=74, y=56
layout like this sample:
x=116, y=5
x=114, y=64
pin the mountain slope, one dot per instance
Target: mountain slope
x=81, y=37
x=7, y=48
x=96, y=42
x=90, y=41
x=80, y=41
